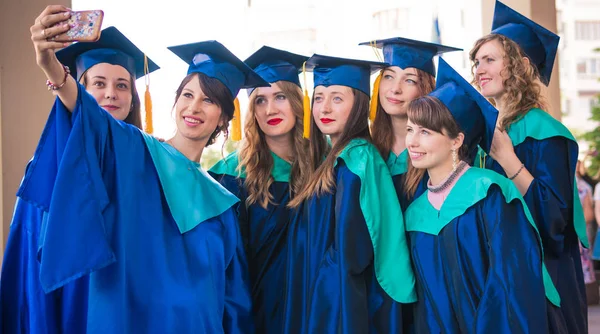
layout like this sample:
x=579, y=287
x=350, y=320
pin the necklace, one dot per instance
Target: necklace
x=448, y=181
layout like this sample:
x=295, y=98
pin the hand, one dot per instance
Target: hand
x=502, y=146
x=50, y=23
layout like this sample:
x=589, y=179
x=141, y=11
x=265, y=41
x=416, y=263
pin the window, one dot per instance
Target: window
x=392, y=19
x=587, y=30
x=588, y=67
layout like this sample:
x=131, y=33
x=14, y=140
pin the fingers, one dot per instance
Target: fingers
x=53, y=19
x=50, y=33
x=49, y=45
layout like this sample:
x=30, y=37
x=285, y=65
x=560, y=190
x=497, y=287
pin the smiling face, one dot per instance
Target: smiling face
x=397, y=88
x=197, y=115
x=488, y=65
x=331, y=109
x=273, y=111
x=427, y=148
x=111, y=86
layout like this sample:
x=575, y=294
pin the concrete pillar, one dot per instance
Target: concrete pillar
x=544, y=13
x=24, y=99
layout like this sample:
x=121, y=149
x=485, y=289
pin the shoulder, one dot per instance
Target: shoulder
x=227, y=166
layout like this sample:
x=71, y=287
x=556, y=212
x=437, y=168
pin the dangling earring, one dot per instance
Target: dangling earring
x=454, y=160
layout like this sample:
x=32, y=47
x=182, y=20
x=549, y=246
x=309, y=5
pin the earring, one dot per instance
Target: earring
x=454, y=160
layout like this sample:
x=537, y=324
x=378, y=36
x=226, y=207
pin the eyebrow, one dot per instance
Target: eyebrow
x=264, y=95
x=104, y=78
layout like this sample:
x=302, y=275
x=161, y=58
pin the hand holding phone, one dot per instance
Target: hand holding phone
x=85, y=26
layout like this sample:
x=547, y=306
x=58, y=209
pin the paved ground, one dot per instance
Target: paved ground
x=594, y=319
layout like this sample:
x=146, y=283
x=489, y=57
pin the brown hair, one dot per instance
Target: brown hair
x=217, y=92
x=521, y=89
x=135, y=115
x=381, y=128
x=322, y=179
x=429, y=112
x=255, y=156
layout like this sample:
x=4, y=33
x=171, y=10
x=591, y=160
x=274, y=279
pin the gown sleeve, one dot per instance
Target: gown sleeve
x=513, y=297
x=72, y=240
x=340, y=302
x=237, y=317
x=550, y=195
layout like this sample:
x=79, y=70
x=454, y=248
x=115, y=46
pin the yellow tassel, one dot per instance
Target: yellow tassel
x=306, y=105
x=148, y=109
x=374, y=99
x=147, y=99
x=236, y=122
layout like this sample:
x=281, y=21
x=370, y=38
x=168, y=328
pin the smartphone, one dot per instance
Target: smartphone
x=85, y=27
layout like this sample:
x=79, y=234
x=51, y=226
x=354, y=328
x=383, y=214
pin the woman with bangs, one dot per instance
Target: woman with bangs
x=155, y=236
x=270, y=167
x=410, y=74
x=476, y=253
x=346, y=256
x=535, y=151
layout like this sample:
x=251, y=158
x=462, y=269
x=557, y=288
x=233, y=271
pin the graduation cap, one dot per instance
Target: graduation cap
x=116, y=49
x=405, y=53
x=329, y=71
x=540, y=44
x=475, y=115
x=216, y=61
x=276, y=65
x=112, y=48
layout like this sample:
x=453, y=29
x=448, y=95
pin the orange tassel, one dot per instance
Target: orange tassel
x=236, y=122
x=374, y=99
x=148, y=109
x=306, y=105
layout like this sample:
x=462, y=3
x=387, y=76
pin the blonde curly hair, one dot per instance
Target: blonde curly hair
x=522, y=88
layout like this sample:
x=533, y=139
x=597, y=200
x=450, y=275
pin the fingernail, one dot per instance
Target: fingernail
x=67, y=13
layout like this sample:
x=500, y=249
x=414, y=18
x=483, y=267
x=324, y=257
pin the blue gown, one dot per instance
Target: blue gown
x=342, y=247
x=264, y=231
x=155, y=235
x=478, y=260
x=549, y=152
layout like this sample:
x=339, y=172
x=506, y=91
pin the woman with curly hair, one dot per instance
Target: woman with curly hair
x=535, y=151
x=265, y=173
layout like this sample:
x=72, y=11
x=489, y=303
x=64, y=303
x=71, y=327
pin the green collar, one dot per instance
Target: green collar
x=398, y=164
x=469, y=189
x=383, y=216
x=539, y=125
x=230, y=166
x=192, y=195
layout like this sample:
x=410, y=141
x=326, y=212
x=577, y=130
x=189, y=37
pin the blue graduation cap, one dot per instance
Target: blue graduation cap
x=539, y=43
x=276, y=65
x=216, y=61
x=405, y=53
x=474, y=113
x=112, y=48
x=328, y=71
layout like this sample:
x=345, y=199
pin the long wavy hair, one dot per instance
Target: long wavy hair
x=429, y=112
x=322, y=178
x=381, y=128
x=522, y=89
x=217, y=92
x=135, y=114
x=255, y=156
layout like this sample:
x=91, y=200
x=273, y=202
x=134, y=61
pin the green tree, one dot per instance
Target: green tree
x=216, y=152
x=593, y=137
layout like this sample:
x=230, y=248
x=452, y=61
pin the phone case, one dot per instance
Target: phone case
x=85, y=27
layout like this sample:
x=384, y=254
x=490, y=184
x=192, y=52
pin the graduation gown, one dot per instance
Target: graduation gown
x=549, y=152
x=155, y=235
x=478, y=260
x=347, y=252
x=264, y=232
x=398, y=165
